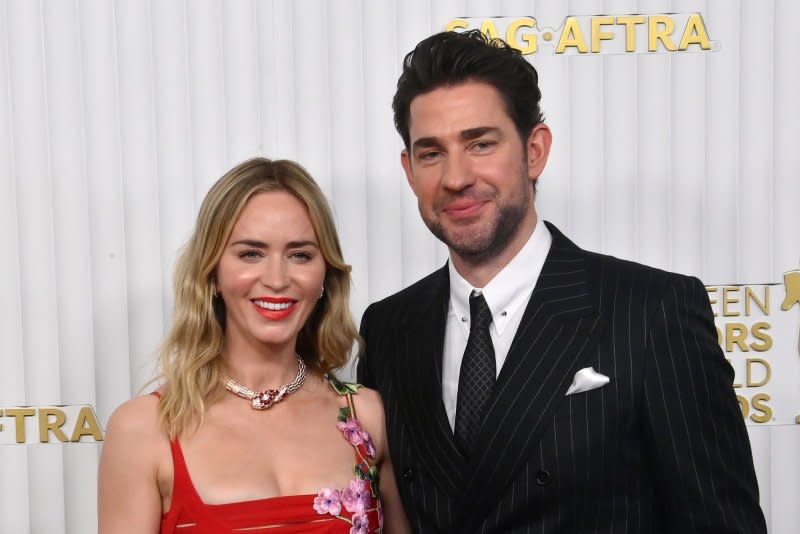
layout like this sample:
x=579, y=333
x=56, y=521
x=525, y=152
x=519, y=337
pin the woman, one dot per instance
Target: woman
x=249, y=431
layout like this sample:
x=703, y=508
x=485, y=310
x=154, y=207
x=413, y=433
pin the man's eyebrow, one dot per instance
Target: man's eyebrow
x=425, y=142
x=474, y=133
x=467, y=135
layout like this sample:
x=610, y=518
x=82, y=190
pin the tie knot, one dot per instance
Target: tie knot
x=480, y=315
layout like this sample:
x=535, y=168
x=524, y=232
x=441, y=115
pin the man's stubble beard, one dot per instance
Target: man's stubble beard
x=492, y=238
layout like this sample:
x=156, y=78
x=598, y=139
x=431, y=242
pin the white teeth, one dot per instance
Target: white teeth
x=272, y=306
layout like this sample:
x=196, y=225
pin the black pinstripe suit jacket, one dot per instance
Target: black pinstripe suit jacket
x=661, y=448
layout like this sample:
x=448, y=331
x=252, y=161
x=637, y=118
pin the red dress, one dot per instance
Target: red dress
x=355, y=509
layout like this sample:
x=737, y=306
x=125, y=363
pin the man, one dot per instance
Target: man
x=529, y=385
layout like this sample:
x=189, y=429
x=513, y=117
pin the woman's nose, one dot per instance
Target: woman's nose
x=275, y=275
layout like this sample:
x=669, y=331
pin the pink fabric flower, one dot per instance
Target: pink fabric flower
x=352, y=431
x=328, y=501
x=356, y=497
x=360, y=524
x=369, y=446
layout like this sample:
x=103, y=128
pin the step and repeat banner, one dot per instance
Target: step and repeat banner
x=675, y=126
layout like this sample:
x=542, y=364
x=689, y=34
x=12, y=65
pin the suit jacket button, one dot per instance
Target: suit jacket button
x=543, y=477
x=408, y=474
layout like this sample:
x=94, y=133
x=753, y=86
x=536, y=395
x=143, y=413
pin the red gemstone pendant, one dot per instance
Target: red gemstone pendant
x=268, y=397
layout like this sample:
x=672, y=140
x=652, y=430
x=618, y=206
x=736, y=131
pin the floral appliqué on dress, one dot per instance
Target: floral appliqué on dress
x=362, y=493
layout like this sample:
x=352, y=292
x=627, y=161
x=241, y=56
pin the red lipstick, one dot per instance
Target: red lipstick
x=274, y=308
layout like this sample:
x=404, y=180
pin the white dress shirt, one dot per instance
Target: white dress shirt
x=507, y=295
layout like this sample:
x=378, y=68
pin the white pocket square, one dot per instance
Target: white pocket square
x=587, y=379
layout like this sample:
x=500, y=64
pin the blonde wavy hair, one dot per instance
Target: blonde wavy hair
x=190, y=367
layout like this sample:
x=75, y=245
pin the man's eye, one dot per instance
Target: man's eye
x=427, y=156
x=483, y=145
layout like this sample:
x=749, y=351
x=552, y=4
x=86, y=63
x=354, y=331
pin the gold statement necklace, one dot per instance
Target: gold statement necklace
x=264, y=400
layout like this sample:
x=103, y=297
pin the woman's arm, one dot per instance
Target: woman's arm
x=370, y=410
x=129, y=499
x=394, y=518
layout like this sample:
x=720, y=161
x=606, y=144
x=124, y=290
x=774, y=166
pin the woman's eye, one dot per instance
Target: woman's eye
x=250, y=255
x=301, y=256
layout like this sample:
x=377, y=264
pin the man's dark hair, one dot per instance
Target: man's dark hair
x=451, y=58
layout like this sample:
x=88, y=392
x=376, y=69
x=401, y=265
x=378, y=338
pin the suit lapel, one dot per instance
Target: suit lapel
x=420, y=385
x=553, y=341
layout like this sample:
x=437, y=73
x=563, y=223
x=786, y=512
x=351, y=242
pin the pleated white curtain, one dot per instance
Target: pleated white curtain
x=116, y=116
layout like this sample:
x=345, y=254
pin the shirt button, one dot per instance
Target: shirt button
x=543, y=477
x=408, y=474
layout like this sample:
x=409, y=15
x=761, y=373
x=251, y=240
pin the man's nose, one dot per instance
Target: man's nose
x=458, y=172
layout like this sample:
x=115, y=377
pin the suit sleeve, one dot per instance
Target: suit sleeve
x=363, y=372
x=694, y=432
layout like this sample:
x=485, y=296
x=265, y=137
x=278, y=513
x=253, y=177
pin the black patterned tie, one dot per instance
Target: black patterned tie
x=477, y=376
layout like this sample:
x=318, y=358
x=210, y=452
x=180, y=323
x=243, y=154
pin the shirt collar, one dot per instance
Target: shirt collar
x=510, y=288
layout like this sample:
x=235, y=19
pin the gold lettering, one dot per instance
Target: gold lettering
x=489, y=29
x=86, y=425
x=712, y=300
x=695, y=33
x=630, y=22
x=750, y=296
x=735, y=385
x=726, y=300
x=751, y=383
x=597, y=31
x=791, y=281
x=19, y=414
x=527, y=37
x=719, y=335
x=660, y=27
x=744, y=405
x=571, y=36
x=758, y=331
x=759, y=403
x=456, y=24
x=46, y=426
x=736, y=333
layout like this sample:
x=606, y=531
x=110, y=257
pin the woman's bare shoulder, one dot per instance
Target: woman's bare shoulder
x=135, y=443
x=369, y=410
x=367, y=403
x=134, y=463
x=370, y=400
x=137, y=416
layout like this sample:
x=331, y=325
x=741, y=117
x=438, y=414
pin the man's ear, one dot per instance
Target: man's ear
x=538, y=148
x=405, y=161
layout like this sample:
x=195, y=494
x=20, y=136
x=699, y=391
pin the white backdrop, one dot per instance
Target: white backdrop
x=116, y=116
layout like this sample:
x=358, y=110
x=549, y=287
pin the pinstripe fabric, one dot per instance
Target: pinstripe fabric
x=661, y=448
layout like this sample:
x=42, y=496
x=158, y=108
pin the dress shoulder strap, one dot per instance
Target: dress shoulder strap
x=348, y=423
x=345, y=389
x=359, y=438
x=182, y=488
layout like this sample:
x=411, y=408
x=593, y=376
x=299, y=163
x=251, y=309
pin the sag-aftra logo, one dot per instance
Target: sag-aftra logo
x=598, y=34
